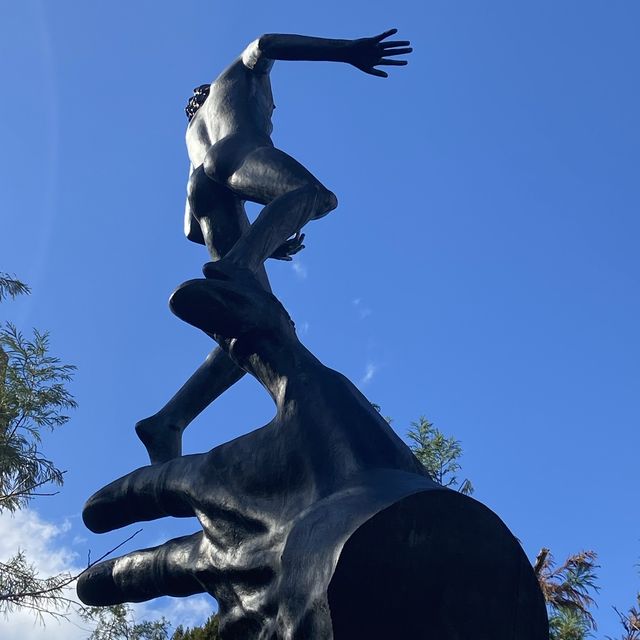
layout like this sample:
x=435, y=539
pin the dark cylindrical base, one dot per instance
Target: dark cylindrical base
x=438, y=566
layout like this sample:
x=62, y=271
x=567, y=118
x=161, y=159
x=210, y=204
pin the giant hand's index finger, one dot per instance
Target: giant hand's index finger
x=145, y=494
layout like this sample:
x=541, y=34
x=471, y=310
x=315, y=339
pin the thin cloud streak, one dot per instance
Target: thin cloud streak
x=363, y=310
x=370, y=371
x=300, y=270
x=303, y=328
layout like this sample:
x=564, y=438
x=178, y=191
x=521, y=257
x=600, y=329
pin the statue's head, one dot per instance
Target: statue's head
x=197, y=100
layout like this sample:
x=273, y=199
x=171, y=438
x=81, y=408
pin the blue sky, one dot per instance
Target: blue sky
x=481, y=269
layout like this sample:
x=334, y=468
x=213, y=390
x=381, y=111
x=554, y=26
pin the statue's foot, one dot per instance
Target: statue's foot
x=217, y=271
x=227, y=270
x=162, y=440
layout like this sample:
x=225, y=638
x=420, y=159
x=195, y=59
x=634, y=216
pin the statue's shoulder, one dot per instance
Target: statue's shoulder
x=254, y=58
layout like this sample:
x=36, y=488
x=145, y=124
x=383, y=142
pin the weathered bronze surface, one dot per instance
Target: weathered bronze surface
x=321, y=524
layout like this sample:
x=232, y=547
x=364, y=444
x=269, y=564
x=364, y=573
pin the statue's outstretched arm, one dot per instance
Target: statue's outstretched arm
x=363, y=53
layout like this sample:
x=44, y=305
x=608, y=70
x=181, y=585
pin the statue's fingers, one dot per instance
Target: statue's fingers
x=145, y=494
x=377, y=72
x=395, y=43
x=392, y=63
x=397, y=52
x=386, y=34
x=167, y=570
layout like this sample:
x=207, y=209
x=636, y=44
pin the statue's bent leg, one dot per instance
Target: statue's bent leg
x=221, y=215
x=161, y=433
x=293, y=197
x=223, y=220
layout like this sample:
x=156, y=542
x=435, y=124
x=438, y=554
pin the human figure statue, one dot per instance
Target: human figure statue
x=323, y=515
x=321, y=525
x=234, y=160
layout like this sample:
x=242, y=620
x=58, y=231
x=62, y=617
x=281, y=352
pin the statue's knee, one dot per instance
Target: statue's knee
x=332, y=200
x=327, y=199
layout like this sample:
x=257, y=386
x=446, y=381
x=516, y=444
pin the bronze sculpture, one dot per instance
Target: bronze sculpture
x=233, y=159
x=314, y=519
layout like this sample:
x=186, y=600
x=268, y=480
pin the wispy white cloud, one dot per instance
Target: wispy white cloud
x=300, y=269
x=302, y=328
x=370, y=371
x=41, y=540
x=363, y=310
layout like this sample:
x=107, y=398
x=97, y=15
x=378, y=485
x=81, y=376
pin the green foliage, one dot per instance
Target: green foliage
x=568, y=624
x=22, y=588
x=117, y=623
x=567, y=590
x=378, y=408
x=33, y=398
x=630, y=621
x=438, y=454
x=10, y=287
x=208, y=631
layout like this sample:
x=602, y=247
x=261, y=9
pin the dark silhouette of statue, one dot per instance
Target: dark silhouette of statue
x=320, y=525
x=234, y=160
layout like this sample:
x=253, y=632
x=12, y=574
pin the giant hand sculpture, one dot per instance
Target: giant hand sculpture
x=319, y=525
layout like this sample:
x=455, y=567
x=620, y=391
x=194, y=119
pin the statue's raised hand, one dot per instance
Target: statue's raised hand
x=368, y=53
